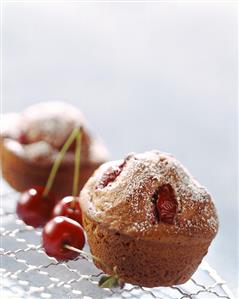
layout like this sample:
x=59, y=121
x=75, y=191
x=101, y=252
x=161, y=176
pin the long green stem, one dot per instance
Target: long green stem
x=58, y=161
x=77, y=164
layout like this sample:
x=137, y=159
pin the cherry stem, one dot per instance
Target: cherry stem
x=69, y=247
x=58, y=161
x=77, y=164
x=82, y=252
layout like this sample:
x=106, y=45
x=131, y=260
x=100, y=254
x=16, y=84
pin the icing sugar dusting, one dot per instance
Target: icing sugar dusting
x=45, y=128
x=10, y=123
x=157, y=167
x=43, y=153
x=51, y=122
x=40, y=152
x=133, y=190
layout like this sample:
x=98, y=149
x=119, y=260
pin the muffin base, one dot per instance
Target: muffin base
x=148, y=263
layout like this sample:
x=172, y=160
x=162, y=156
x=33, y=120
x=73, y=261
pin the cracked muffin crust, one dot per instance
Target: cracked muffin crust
x=147, y=217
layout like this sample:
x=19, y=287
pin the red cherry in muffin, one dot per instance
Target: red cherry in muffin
x=22, y=138
x=166, y=204
x=70, y=207
x=110, y=175
x=34, y=208
x=59, y=232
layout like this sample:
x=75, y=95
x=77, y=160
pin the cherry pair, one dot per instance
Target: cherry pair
x=65, y=227
x=35, y=208
x=38, y=205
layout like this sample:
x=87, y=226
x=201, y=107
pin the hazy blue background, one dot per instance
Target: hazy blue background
x=146, y=76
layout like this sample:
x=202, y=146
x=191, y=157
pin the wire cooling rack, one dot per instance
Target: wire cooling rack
x=27, y=272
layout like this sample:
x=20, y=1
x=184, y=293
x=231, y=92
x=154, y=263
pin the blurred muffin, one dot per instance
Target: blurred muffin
x=31, y=140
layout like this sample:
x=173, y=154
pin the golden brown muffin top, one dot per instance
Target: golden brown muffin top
x=123, y=196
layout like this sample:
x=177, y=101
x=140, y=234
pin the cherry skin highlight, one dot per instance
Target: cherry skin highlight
x=61, y=231
x=166, y=204
x=34, y=208
x=70, y=207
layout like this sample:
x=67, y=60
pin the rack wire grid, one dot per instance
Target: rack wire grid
x=27, y=272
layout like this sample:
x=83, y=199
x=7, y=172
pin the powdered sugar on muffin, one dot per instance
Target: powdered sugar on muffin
x=42, y=153
x=127, y=201
x=10, y=125
x=51, y=122
x=39, y=132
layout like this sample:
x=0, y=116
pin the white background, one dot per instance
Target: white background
x=146, y=76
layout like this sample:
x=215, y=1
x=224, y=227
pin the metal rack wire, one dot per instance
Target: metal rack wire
x=27, y=272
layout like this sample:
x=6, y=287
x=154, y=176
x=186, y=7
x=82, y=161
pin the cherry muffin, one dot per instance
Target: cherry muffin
x=31, y=140
x=147, y=219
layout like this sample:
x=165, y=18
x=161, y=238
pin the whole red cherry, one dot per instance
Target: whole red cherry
x=34, y=208
x=70, y=207
x=61, y=231
x=166, y=204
